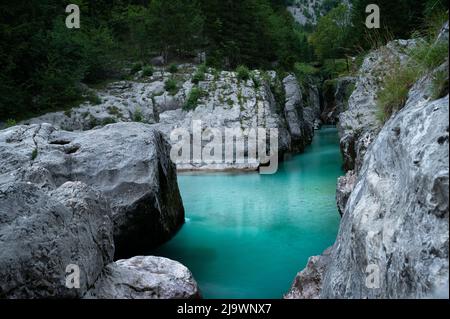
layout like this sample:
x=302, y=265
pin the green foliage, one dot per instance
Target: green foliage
x=329, y=89
x=43, y=62
x=333, y=33
x=108, y=120
x=34, y=154
x=398, y=19
x=243, y=73
x=428, y=55
x=93, y=98
x=424, y=58
x=173, y=68
x=394, y=93
x=114, y=110
x=171, y=86
x=192, y=100
x=256, y=80
x=136, y=68
x=199, y=74
x=252, y=33
x=440, y=84
x=334, y=68
x=137, y=116
x=148, y=70
x=10, y=123
x=305, y=71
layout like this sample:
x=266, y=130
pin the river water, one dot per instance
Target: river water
x=247, y=235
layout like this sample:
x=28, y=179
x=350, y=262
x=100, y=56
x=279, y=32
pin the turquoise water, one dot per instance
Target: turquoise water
x=247, y=235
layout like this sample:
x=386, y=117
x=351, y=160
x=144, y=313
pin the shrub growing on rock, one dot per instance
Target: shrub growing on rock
x=192, y=100
x=136, y=68
x=148, y=70
x=200, y=74
x=243, y=73
x=171, y=86
x=173, y=68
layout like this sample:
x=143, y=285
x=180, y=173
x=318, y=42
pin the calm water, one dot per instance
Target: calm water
x=247, y=236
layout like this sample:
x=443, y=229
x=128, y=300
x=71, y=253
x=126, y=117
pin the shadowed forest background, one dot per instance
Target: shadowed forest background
x=44, y=64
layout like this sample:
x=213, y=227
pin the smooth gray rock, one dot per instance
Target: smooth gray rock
x=158, y=61
x=397, y=216
x=225, y=102
x=145, y=278
x=343, y=88
x=358, y=125
x=443, y=34
x=42, y=232
x=395, y=202
x=229, y=103
x=128, y=163
x=300, y=120
x=308, y=282
x=344, y=189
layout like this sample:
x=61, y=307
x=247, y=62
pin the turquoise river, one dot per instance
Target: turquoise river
x=247, y=235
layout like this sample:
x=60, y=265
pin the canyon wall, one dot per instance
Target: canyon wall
x=393, y=238
x=81, y=198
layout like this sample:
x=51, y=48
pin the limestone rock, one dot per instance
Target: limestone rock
x=344, y=189
x=308, y=282
x=128, y=163
x=337, y=103
x=43, y=232
x=145, y=278
x=397, y=215
x=300, y=120
x=359, y=121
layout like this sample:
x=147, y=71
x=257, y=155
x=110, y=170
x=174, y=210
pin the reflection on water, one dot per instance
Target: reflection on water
x=248, y=235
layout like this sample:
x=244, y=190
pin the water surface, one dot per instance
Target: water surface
x=247, y=235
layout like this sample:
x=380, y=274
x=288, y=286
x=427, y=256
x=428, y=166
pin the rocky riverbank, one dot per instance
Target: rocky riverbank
x=222, y=100
x=94, y=184
x=81, y=198
x=394, y=198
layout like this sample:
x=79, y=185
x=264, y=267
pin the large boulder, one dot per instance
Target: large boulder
x=397, y=216
x=344, y=189
x=358, y=125
x=308, y=282
x=224, y=101
x=43, y=232
x=228, y=102
x=395, y=223
x=123, y=101
x=145, y=278
x=336, y=98
x=128, y=163
x=300, y=120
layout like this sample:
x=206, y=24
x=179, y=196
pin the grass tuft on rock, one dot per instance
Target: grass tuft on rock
x=192, y=100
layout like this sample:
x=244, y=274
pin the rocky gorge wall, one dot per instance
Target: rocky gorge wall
x=95, y=184
x=223, y=101
x=394, y=198
x=79, y=199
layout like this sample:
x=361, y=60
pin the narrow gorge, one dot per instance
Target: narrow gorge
x=99, y=201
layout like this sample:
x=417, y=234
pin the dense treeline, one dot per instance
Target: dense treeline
x=43, y=62
x=343, y=32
